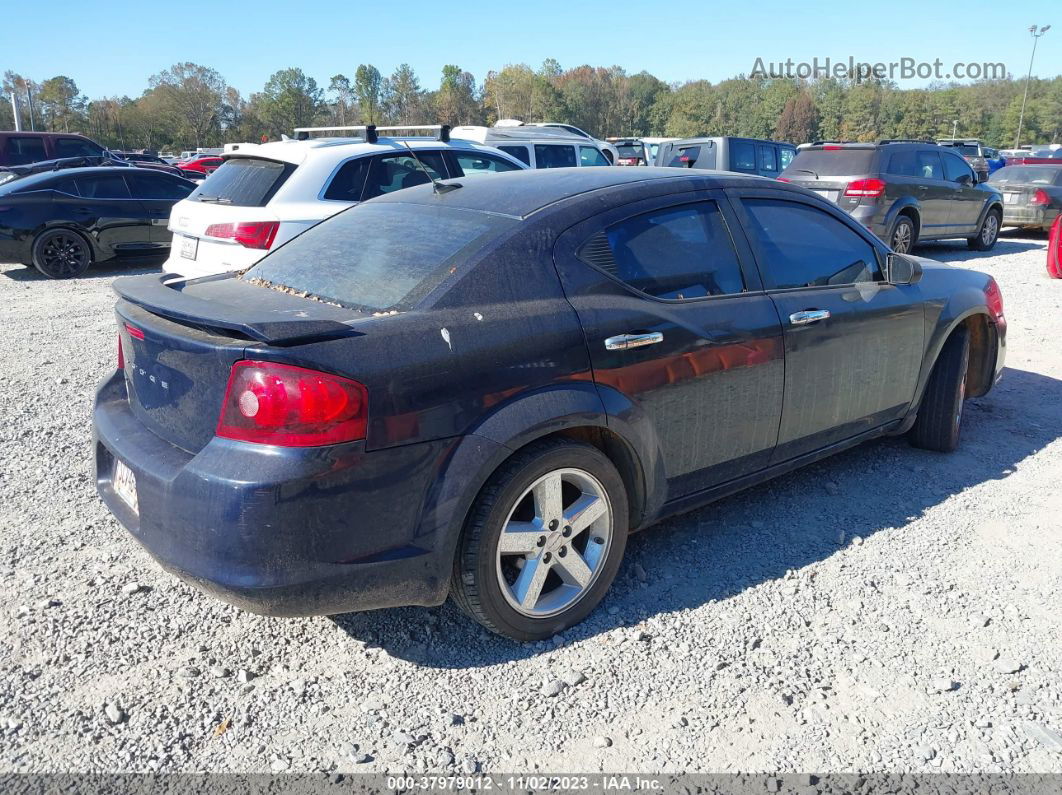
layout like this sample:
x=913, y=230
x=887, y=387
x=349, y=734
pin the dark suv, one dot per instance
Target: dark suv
x=499, y=380
x=903, y=191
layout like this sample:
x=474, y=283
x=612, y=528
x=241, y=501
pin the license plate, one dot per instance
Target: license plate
x=1010, y=198
x=124, y=484
x=189, y=247
x=828, y=194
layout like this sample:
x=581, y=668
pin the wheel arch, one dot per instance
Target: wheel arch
x=907, y=207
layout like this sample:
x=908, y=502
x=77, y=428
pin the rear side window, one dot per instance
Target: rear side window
x=555, y=156
x=108, y=186
x=767, y=158
x=381, y=256
x=786, y=155
x=591, y=156
x=840, y=162
x=157, y=186
x=519, y=152
x=742, y=156
x=904, y=164
x=76, y=147
x=243, y=182
x=24, y=149
x=676, y=253
x=395, y=172
x=349, y=182
x=802, y=246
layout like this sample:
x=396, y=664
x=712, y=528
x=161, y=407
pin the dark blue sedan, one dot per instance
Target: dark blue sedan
x=479, y=390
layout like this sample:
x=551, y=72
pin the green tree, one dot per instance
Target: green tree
x=402, y=98
x=367, y=85
x=456, y=102
x=290, y=99
x=344, y=93
x=191, y=98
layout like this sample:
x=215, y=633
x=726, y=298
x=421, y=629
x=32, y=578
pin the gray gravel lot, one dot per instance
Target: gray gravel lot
x=886, y=610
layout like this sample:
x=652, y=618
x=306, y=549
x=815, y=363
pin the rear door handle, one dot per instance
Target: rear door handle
x=623, y=342
x=807, y=316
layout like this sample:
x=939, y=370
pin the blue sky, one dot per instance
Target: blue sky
x=111, y=48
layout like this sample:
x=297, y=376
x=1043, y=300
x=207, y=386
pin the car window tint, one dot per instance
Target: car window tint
x=395, y=172
x=675, y=253
x=786, y=155
x=243, y=182
x=349, y=181
x=157, y=186
x=521, y=153
x=742, y=155
x=554, y=156
x=801, y=246
x=22, y=150
x=685, y=157
x=475, y=163
x=591, y=156
x=767, y=161
x=929, y=166
x=955, y=167
x=76, y=147
x=400, y=253
x=904, y=164
x=104, y=186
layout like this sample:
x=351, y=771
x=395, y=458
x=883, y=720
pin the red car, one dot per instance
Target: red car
x=199, y=167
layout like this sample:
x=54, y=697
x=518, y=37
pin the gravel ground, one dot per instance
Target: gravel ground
x=886, y=610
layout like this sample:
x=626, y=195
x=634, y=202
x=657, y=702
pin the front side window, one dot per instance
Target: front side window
x=395, y=172
x=786, y=155
x=955, y=167
x=802, y=246
x=109, y=186
x=555, y=156
x=22, y=150
x=742, y=156
x=473, y=164
x=519, y=152
x=677, y=253
x=591, y=156
x=76, y=147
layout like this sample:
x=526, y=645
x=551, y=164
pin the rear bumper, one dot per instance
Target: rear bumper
x=280, y=531
x=1041, y=217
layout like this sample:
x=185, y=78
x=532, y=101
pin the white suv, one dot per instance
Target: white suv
x=264, y=195
x=539, y=147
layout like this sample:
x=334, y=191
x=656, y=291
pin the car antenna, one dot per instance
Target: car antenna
x=437, y=186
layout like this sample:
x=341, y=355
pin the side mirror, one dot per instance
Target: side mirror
x=902, y=269
x=981, y=176
x=964, y=179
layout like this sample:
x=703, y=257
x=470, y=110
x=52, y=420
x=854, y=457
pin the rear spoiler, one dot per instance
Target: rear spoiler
x=233, y=305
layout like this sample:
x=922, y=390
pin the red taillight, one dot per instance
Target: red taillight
x=865, y=187
x=249, y=234
x=291, y=406
x=832, y=148
x=134, y=332
x=1040, y=198
x=783, y=179
x=994, y=300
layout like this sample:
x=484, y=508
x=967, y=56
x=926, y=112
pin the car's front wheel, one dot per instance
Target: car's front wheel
x=61, y=254
x=940, y=414
x=988, y=233
x=543, y=542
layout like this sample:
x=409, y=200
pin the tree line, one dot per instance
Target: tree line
x=190, y=105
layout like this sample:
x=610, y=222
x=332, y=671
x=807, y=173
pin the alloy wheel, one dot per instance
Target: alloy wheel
x=901, y=238
x=63, y=254
x=554, y=543
x=989, y=230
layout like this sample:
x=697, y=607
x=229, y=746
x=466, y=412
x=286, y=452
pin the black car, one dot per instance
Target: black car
x=903, y=191
x=1032, y=195
x=63, y=221
x=481, y=390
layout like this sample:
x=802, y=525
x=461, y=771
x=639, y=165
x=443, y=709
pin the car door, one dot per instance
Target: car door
x=967, y=200
x=934, y=193
x=157, y=192
x=853, y=343
x=676, y=322
x=109, y=211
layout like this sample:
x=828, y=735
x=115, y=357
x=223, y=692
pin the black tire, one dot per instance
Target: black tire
x=939, y=421
x=987, y=232
x=903, y=236
x=476, y=587
x=61, y=254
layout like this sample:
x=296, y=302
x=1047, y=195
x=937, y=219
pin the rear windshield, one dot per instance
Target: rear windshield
x=831, y=162
x=630, y=150
x=380, y=257
x=967, y=150
x=243, y=182
x=1028, y=175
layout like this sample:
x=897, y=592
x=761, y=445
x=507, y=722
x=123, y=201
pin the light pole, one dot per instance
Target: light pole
x=1036, y=38
x=954, y=127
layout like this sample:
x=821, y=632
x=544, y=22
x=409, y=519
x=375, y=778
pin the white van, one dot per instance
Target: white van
x=538, y=147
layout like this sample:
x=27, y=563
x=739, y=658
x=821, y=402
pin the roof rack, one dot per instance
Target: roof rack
x=371, y=131
x=906, y=141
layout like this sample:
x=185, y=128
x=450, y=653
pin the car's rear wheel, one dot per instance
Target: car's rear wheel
x=902, y=238
x=543, y=542
x=988, y=233
x=940, y=415
x=61, y=254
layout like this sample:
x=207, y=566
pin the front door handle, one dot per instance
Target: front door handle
x=808, y=316
x=623, y=342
